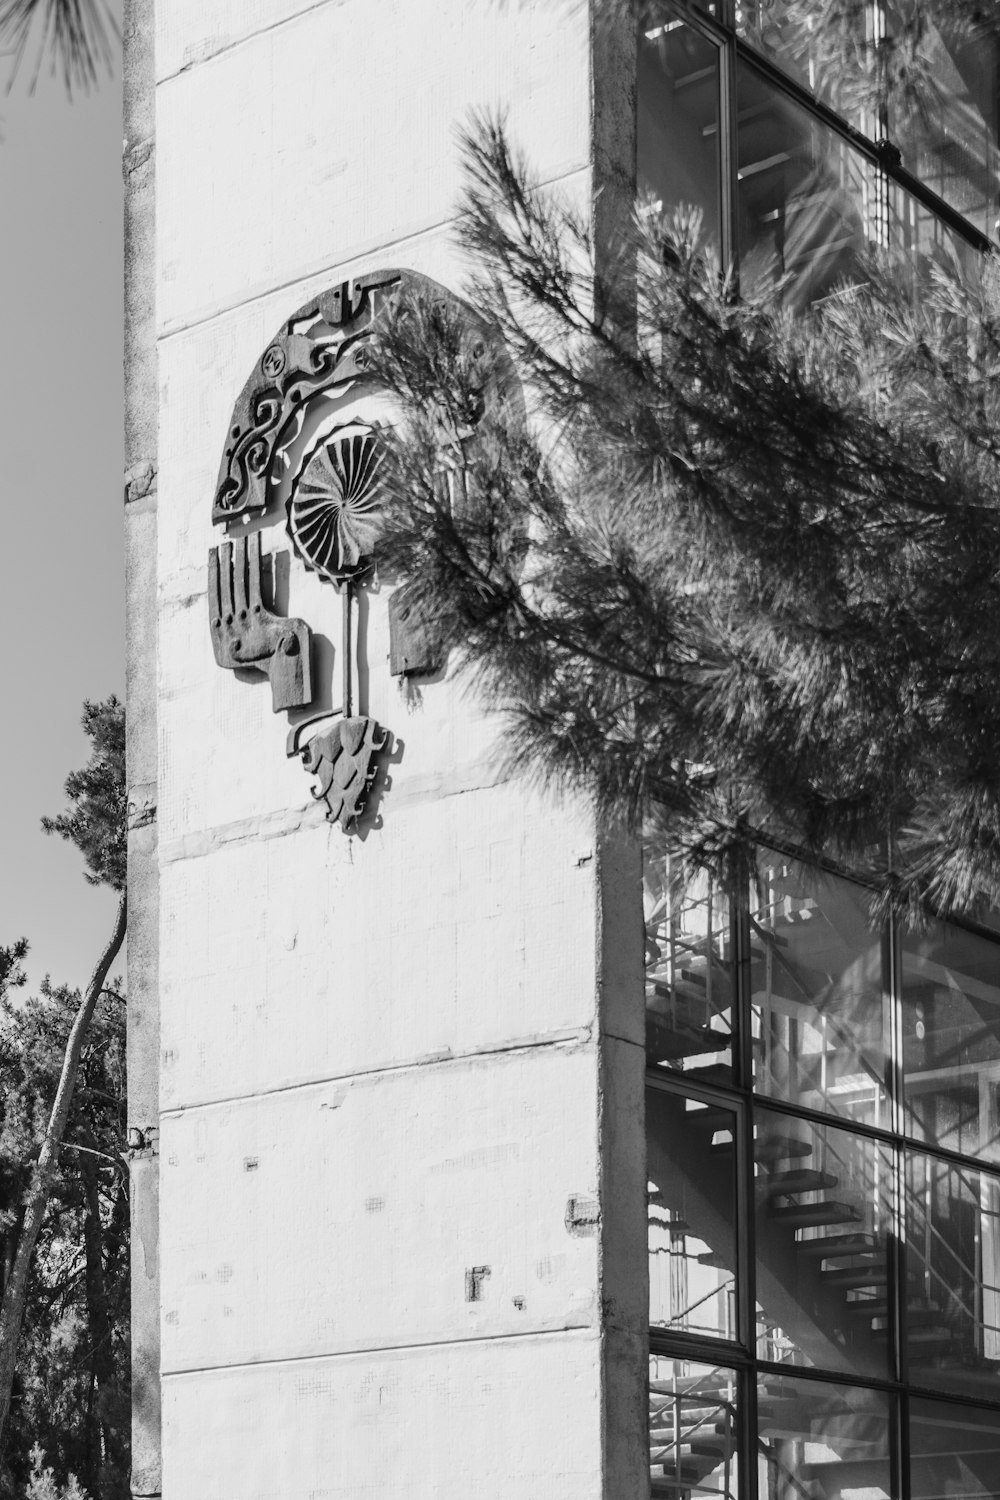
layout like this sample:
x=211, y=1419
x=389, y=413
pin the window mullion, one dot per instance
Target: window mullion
x=893, y=1001
x=899, y=1458
x=748, y=1433
x=746, y=1302
x=728, y=157
x=746, y=1299
x=742, y=1026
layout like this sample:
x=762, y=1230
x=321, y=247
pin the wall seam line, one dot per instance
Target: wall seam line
x=579, y=1036
x=242, y=41
x=362, y=254
x=532, y=1335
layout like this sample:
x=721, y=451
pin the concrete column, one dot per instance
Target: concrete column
x=141, y=460
x=621, y=1124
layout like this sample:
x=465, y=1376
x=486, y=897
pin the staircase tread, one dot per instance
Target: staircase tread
x=709, y=1114
x=855, y=1277
x=777, y=1148
x=689, y=1417
x=829, y=1211
x=830, y=1246
x=934, y=1333
x=663, y=1437
x=876, y=1308
x=798, y=1180
x=713, y=1259
x=718, y=1073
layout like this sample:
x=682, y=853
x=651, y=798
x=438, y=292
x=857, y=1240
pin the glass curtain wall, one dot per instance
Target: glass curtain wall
x=823, y=1193
x=823, y=1101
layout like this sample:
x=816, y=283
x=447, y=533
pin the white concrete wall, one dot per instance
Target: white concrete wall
x=381, y=1056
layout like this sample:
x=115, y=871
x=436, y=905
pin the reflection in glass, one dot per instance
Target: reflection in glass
x=823, y=1222
x=810, y=207
x=691, y=1215
x=951, y=1040
x=948, y=132
x=816, y=980
x=953, y=1276
x=954, y=1451
x=831, y=59
x=936, y=100
x=817, y=1439
x=693, y=1430
x=688, y=973
x=678, y=121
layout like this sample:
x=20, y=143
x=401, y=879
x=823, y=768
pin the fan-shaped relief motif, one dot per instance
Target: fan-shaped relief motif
x=333, y=512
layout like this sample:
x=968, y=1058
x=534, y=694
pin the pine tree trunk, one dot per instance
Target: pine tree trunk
x=98, y=1316
x=15, y=1292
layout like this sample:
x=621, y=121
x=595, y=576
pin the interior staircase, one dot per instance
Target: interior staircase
x=816, y=1442
x=822, y=1275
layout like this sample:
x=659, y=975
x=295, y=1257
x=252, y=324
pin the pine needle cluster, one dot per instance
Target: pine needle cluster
x=738, y=571
x=80, y=38
x=96, y=821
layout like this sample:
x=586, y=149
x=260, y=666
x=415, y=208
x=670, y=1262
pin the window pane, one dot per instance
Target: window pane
x=918, y=235
x=808, y=204
x=692, y=1215
x=822, y=1440
x=810, y=207
x=678, y=121
x=946, y=127
x=954, y=1451
x=816, y=978
x=951, y=1040
x=823, y=1216
x=937, y=101
x=658, y=19
x=688, y=974
x=693, y=1430
x=953, y=1270
x=828, y=55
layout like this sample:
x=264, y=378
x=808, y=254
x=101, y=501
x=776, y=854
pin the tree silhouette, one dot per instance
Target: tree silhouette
x=48, y=1047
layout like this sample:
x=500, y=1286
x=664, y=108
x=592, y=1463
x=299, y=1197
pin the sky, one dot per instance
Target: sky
x=61, y=404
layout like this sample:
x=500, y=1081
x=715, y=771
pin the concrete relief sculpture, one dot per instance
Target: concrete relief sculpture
x=344, y=760
x=303, y=452
x=245, y=634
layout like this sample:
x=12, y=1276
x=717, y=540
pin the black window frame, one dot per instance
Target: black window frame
x=739, y=1355
x=734, y=51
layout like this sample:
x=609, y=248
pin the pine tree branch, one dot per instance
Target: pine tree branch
x=763, y=542
x=78, y=37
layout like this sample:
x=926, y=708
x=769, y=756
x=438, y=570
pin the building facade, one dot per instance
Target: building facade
x=400, y=1213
